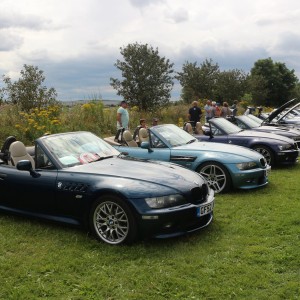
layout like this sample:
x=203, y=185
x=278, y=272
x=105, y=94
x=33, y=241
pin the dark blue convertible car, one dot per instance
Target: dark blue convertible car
x=275, y=148
x=78, y=178
x=254, y=123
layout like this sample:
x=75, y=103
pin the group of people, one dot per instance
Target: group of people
x=123, y=121
x=211, y=110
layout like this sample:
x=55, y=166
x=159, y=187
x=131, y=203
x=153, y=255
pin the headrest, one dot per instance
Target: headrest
x=127, y=135
x=17, y=149
x=143, y=133
x=188, y=128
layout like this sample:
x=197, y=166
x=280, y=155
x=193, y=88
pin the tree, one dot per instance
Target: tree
x=198, y=81
x=257, y=87
x=28, y=92
x=146, y=82
x=279, y=80
x=296, y=91
x=231, y=85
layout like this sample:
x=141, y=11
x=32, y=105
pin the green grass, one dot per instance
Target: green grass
x=250, y=251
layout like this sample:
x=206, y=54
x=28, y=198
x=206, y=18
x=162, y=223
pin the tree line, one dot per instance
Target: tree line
x=147, y=80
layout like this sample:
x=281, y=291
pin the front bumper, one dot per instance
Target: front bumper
x=176, y=221
x=250, y=179
x=287, y=157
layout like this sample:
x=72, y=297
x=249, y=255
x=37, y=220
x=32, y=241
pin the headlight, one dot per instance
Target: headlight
x=247, y=165
x=165, y=201
x=284, y=147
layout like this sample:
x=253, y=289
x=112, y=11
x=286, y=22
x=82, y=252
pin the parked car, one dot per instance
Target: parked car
x=79, y=179
x=275, y=148
x=254, y=123
x=285, y=115
x=225, y=167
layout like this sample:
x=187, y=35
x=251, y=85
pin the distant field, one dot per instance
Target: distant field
x=250, y=251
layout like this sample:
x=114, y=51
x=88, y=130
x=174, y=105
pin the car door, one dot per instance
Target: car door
x=22, y=191
x=155, y=149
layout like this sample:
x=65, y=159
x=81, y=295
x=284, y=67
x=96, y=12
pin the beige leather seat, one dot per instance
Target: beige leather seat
x=127, y=136
x=198, y=129
x=188, y=128
x=143, y=135
x=18, y=152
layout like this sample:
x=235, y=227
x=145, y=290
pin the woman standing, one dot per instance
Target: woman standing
x=225, y=111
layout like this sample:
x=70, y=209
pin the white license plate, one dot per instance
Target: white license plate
x=205, y=209
x=267, y=171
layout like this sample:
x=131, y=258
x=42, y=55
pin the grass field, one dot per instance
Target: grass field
x=250, y=251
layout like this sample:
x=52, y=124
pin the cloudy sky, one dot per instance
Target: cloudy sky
x=76, y=43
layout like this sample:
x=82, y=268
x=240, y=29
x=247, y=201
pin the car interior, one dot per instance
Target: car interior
x=19, y=152
x=128, y=138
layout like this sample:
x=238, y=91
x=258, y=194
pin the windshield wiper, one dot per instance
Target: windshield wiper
x=102, y=157
x=191, y=141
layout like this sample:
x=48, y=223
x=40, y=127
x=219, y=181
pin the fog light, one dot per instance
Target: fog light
x=149, y=217
x=168, y=225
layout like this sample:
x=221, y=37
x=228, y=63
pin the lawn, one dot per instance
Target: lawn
x=250, y=251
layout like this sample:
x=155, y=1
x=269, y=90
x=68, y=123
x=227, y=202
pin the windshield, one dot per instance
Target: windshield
x=77, y=148
x=256, y=119
x=225, y=126
x=249, y=121
x=174, y=135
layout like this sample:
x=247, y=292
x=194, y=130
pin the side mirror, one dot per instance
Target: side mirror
x=25, y=165
x=146, y=145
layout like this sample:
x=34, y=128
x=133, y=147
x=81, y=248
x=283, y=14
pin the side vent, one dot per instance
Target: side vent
x=75, y=187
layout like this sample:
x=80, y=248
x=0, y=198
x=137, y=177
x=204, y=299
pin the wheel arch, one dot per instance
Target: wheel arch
x=267, y=147
x=230, y=179
x=101, y=193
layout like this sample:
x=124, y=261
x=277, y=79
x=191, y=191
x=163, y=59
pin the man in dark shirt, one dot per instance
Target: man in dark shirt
x=195, y=114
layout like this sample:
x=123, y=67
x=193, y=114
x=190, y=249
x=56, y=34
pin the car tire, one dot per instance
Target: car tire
x=266, y=152
x=112, y=221
x=216, y=175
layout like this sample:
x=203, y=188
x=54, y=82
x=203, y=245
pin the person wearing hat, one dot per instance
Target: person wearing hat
x=122, y=116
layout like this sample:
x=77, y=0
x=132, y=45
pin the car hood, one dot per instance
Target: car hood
x=223, y=149
x=264, y=135
x=157, y=172
x=275, y=113
x=279, y=130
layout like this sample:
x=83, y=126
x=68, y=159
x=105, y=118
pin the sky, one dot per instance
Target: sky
x=76, y=43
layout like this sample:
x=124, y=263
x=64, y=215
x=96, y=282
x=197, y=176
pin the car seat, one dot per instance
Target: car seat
x=130, y=142
x=188, y=128
x=143, y=135
x=18, y=152
x=198, y=128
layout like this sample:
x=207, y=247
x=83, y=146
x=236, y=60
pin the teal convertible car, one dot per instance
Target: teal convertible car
x=225, y=167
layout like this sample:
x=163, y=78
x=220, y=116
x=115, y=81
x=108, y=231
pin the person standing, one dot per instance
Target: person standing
x=225, y=111
x=234, y=107
x=122, y=116
x=208, y=110
x=195, y=113
x=215, y=110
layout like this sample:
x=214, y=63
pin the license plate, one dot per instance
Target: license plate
x=267, y=171
x=205, y=209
